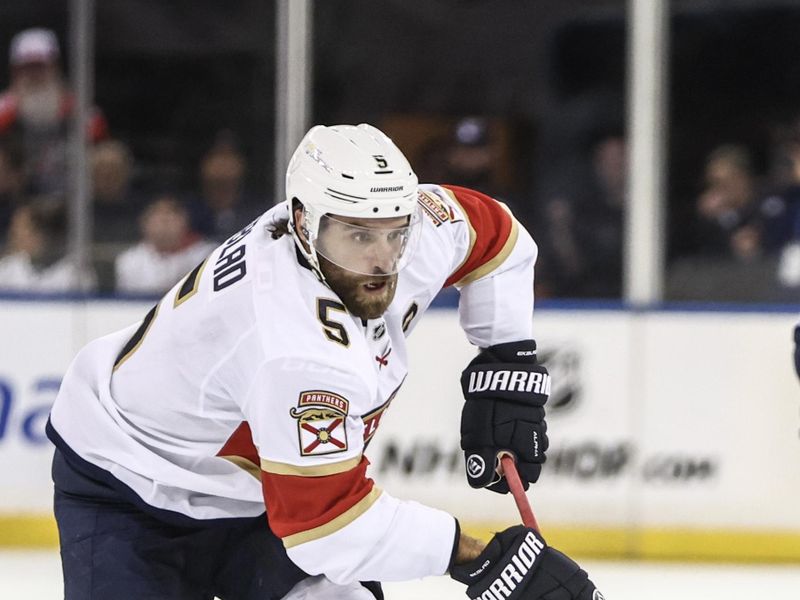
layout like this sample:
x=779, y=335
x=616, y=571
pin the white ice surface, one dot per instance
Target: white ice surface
x=36, y=575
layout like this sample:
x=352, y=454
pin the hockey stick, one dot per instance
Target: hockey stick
x=509, y=469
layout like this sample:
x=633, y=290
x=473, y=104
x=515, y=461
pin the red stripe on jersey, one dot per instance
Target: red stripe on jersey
x=241, y=444
x=492, y=225
x=296, y=503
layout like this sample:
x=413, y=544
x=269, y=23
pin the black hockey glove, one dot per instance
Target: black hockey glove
x=517, y=564
x=505, y=391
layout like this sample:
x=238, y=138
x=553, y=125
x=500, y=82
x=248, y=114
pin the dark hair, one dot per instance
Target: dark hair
x=279, y=228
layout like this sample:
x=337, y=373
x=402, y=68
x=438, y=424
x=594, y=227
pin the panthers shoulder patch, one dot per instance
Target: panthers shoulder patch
x=321, y=427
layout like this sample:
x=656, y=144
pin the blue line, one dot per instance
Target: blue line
x=727, y=307
x=449, y=299
x=74, y=297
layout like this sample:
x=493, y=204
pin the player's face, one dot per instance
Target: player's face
x=365, y=296
x=370, y=248
x=363, y=246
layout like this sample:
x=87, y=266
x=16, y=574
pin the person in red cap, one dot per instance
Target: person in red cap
x=36, y=108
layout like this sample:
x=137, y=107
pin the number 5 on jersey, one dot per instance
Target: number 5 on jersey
x=334, y=330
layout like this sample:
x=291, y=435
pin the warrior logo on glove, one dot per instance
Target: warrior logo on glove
x=475, y=466
x=517, y=568
x=505, y=392
x=509, y=381
x=517, y=564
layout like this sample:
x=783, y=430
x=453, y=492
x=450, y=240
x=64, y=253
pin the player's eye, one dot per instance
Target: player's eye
x=362, y=237
x=396, y=235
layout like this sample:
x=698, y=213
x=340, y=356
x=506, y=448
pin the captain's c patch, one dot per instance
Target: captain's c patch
x=321, y=427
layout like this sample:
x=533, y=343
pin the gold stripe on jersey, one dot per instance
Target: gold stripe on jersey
x=472, y=234
x=136, y=339
x=310, y=471
x=334, y=525
x=190, y=285
x=243, y=463
x=498, y=259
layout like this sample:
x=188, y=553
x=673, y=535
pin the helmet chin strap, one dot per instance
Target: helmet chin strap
x=310, y=255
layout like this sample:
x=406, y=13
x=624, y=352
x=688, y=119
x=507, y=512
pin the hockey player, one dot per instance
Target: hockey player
x=259, y=379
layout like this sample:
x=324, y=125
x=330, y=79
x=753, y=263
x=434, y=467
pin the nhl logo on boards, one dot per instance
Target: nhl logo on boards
x=321, y=427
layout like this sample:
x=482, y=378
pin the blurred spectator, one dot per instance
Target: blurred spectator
x=470, y=159
x=478, y=155
x=36, y=110
x=788, y=272
x=780, y=217
x=36, y=260
x=580, y=229
x=11, y=182
x=727, y=207
x=729, y=262
x=114, y=206
x=479, y=152
x=169, y=249
x=223, y=207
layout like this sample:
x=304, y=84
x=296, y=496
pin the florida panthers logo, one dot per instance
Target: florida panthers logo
x=321, y=427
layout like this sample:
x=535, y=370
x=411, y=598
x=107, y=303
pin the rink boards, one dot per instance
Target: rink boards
x=673, y=433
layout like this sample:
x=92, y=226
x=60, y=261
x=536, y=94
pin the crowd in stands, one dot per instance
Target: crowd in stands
x=142, y=241
x=741, y=241
x=744, y=242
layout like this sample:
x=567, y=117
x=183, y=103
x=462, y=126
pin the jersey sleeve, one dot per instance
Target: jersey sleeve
x=332, y=518
x=495, y=272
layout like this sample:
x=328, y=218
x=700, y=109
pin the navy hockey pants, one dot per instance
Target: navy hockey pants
x=111, y=549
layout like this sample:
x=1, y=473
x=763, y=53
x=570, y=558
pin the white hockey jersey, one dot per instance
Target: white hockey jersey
x=249, y=384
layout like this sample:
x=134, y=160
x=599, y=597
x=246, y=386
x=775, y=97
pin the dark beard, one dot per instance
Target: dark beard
x=348, y=286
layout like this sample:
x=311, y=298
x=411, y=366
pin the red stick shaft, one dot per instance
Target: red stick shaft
x=515, y=485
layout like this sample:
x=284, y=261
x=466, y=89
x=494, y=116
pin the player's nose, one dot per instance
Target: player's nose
x=383, y=256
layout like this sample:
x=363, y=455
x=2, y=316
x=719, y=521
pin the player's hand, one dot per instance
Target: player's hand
x=517, y=564
x=505, y=391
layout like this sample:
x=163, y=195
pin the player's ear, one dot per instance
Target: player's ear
x=297, y=215
x=299, y=220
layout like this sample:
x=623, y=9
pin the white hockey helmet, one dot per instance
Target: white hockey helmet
x=358, y=172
